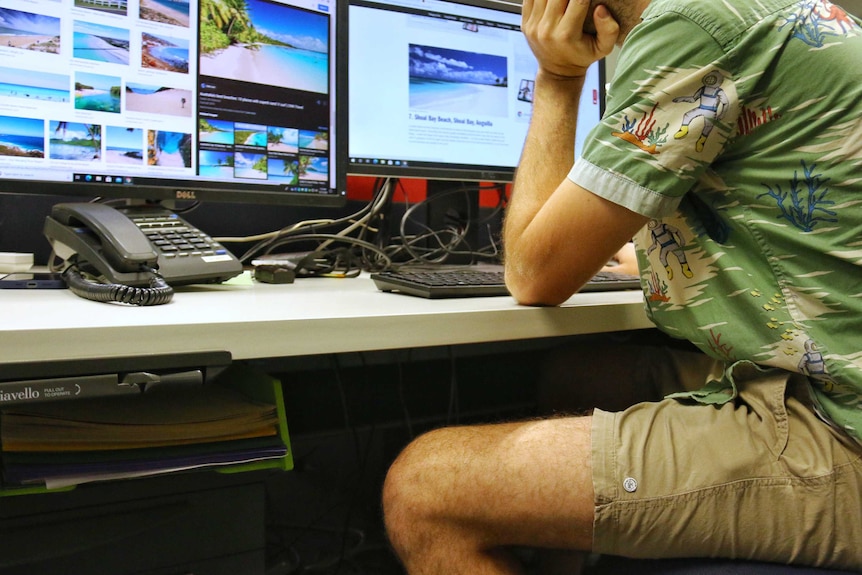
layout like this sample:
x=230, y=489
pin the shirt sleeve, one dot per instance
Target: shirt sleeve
x=670, y=110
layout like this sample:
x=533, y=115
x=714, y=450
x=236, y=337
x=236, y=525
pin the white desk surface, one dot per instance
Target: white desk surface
x=311, y=316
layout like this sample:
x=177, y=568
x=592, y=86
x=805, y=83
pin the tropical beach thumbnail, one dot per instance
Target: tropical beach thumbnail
x=97, y=92
x=100, y=43
x=163, y=53
x=75, y=141
x=34, y=85
x=265, y=43
x=313, y=140
x=215, y=164
x=22, y=137
x=282, y=140
x=249, y=135
x=124, y=145
x=174, y=12
x=158, y=100
x=250, y=166
x=314, y=168
x=29, y=31
x=458, y=81
x=172, y=149
x=283, y=170
x=215, y=131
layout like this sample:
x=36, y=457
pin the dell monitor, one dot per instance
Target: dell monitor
x=443, y=90
x=172, y=100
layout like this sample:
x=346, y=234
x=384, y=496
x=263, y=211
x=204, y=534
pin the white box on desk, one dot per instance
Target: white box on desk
x=13, y=262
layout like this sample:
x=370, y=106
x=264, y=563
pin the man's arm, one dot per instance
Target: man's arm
x=557, y=234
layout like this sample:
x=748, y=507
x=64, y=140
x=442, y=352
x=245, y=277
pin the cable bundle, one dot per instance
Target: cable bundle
x=362, y=241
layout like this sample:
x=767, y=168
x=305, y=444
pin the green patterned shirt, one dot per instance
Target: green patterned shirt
x=737, y=127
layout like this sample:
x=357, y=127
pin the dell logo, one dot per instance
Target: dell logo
x=186, y=195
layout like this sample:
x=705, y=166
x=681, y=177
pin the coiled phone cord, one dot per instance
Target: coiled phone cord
x=159, y=292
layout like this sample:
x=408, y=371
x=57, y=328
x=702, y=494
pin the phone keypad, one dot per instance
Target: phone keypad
x=174, y=238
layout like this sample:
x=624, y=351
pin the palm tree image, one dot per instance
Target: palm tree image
x=223, y=23
x=92, y=142
x=302, y=167
x=265, y=43
x=94, y=132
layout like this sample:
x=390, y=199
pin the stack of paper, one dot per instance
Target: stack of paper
x=68, y=442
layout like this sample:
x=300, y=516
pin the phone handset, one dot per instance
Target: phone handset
x=103, y=233
x=98, y=241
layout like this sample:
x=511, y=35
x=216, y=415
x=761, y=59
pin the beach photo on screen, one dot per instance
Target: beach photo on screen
x=457, y=81
x=124, y=145
x=249, y=135
x=283, y=170
x=173, y=12
x=160, y=52
x=215, y=164
x=313, y=140
x=156, y=99
x=97, y=93
x=265, y=43
x=212, y=131
x=282, y=140
x=29, y=31
x=91, y=41
x=314, y=168
x=250, y=166
x=22, y=137
x=34, y=85
x=74, y=141
x=171, y=149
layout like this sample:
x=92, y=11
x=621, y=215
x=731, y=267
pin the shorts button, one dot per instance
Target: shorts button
x=630, y=484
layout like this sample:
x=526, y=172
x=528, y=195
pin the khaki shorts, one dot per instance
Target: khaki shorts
x=758, y=478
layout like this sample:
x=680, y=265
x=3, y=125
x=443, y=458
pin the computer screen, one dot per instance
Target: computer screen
x=172, y=100
x=443, y=89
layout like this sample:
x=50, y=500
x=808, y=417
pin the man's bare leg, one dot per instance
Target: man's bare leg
x=458, y=497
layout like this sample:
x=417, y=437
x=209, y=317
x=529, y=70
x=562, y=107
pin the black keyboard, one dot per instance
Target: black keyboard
x=477, y=281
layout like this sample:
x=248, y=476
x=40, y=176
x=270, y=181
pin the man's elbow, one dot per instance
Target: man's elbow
x=533, y=291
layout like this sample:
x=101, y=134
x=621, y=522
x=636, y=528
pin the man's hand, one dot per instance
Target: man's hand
x=626, y=261
x=554, y=29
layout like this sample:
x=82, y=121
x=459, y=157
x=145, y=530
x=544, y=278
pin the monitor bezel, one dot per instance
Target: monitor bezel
x=441, y=171
x=220, y=192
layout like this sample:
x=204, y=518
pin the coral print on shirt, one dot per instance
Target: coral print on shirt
x=818, y=22
x=753, y=250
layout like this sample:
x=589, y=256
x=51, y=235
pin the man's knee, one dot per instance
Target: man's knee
x=411, y=497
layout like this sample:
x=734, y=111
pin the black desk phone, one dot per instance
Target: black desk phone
x=131, y=245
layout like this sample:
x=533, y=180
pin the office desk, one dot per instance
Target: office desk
x=250, y=321
x=311, y=316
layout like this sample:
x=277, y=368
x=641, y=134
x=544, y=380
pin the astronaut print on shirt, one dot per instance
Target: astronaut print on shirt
x=762, y=258
x=649, y=130
x=700, y=114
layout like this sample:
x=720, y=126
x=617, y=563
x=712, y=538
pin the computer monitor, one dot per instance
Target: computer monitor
x=210, y=100
x=443, y=90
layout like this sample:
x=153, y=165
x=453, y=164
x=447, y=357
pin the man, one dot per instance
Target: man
x=731, y=150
